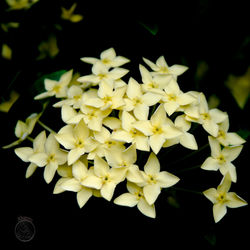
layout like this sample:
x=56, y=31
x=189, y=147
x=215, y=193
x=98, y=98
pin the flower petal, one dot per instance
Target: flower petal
x=83, y=196
x=219, y=211
x=151, y=192
x=146, y=209
x=152, y=165
x=107, y=190
x=126, y=199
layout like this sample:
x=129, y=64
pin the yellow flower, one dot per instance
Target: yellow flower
x=20, y=4
x=69, y=14
x=128, y=133
x=222, y=199
x=6, y=52
x=173, y=97
x=26, y=152
x=76, y=139
x=221, y=158
x=124, y=160
x=154, y=84
x=210, y=118
x=101, y=72
x=159, y=128
x=108, y=58
x=135, y=197
x=155, y=180
x=185, y=139
x=107, y=97
x=104, y=178
x=228, y=138
x=6, y=106
x=137, y=101
x=24, y=129
x=50, y=158
x=80, y=172
x=161, y=67
x=56, y=88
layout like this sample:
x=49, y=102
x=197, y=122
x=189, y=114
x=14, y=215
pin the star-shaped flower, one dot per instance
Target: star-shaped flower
x=222, y=199
x=159, y=128
x=108, y=58
x=135, y=197
x=221, y=158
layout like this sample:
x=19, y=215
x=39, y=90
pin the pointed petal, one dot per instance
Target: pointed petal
x=142, y=142
x=79, y=170
x=74, y=155
x=211, y=194
x=233, y=139
x=130, y=155
x=217, y=115
x=107, y=190
x=141, y=112
x=126, y=199
x=146, y=209
x=153, y=66
x=71, y=185
x=58, y=189
x=188, y=140
x=119, y=61
x=39, y=142
x=156, y=142
x=211, y=127
x=100, y=167
x=152, y=165
x=234, y=201
x=165, y=179
x=127, y=121
x=144, y=126
x=133, y=89
x=30, y=170
x=92, y=181
x=134, y=175
x=177, y=69
x=151, y=192
x=83, y=196
x=50, y=171
x=122, y=135
x=225, y=184
x=24, y=153
x=214, y=146
x=231, y=153
x=146, y=77
x=90, y=60
x=210, y=164
x=51, y=144
x=219, y=211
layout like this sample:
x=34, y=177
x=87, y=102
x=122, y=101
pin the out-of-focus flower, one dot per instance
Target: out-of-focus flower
x=6, y=26
x=20, y=4
x=240, y=87
x=6, y=52
x=6, y=106
x=48, y=48
x=222, y=199
x=68, y=14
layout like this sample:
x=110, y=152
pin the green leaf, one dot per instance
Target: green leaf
x=244, y=133
x=152, y=28
x=38, y=86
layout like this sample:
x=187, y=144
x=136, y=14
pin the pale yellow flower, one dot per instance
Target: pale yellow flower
x=155, y=180
x=50, y=158
x=129, y=134
x=56, y=88
x=70, y=116
x=161, y=67
x=154, y=84
x=20, y=4
x=104, y=142
x=228, y=138
x=173, y=97
x=186, y=139
x=138, y=102
x=24, y=129
x=222, y=158
x=125, y=160
x=222, y=199
x=26, y=152
x=80, y=172
x=107, y=97
x=68, y=14
x=76, y=139
x=93, y=117
x=108, y=58
x=209, y=119
x=135, y=197
x=104, y=178
x=159, y=128
x=101, y=72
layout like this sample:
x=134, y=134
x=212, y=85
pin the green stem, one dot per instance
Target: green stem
x=30, y=139
x=46, y=127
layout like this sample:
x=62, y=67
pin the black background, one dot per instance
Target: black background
x=188, y=32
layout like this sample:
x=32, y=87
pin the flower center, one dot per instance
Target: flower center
x=205, y=116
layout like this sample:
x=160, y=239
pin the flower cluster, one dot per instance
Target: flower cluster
x=109, y=121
